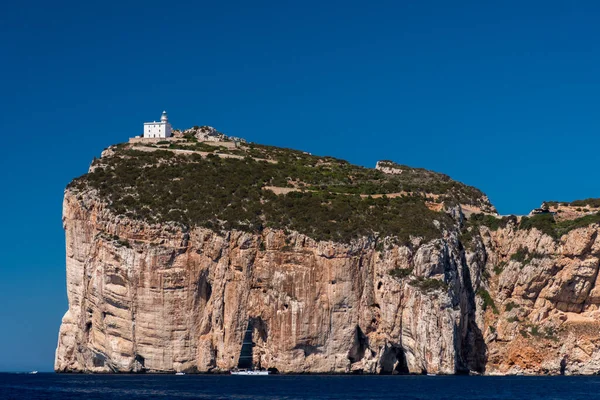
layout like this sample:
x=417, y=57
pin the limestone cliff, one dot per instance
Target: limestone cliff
x=545, y=316
x=162, y=298
x=401, y=283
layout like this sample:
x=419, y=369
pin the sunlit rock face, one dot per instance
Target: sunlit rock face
x=481, y=297
x=161, y=299
x=548, y=319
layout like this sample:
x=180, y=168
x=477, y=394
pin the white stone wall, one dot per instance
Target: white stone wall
x=157, y=130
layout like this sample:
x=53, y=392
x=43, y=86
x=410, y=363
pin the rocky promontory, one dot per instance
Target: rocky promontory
x=175, y=247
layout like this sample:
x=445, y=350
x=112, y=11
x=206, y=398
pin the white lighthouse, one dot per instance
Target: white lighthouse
x=160, y=129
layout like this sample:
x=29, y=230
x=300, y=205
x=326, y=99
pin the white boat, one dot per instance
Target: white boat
x=249, y=372
x=180, y=373
x=33, y=372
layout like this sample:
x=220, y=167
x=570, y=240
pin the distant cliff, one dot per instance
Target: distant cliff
x=174, y=247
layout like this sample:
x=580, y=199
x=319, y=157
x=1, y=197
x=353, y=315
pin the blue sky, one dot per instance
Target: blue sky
x=499, y=95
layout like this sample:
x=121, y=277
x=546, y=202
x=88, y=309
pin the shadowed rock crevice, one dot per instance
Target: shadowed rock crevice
x=254, y=338
x=204, y=286
x=473, y=349
x=359, y=346
x=308, y=349
x=138, y=364
x=247, y=352
x=393, y=360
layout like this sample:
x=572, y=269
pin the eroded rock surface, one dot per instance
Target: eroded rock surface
x=159, y=298
x=492, y=297
x=548, y=319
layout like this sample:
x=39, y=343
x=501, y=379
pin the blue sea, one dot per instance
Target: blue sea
x=294, y=387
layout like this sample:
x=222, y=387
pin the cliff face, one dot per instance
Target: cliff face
x=435, y=292
x=159, y=298
x=546, y=293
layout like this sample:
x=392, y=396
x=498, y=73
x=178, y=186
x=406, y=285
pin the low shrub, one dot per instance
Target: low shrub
x=487, y=300
x=400, y=273
x=520, y=255
x=548, y=225
x=524, y=256
x=227, y=193
x=429, y=284
x=498, y=268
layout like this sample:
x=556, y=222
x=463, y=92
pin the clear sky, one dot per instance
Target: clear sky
x=500, y=95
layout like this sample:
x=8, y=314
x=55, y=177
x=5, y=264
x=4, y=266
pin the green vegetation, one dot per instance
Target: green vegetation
x=334, y=200
x=550, y=333
x=419, y=180
x=498, y=268
x=115, y=238
x=564, y=227
x=228, y=193
x=196, y=146
x=544, y=223
x=124, y=243
x=487, y=300
x=524, y=333
x=535, y=331
x=510, y=306
x=339, y=176
x=592, y=202
x=471, y=228
x=586, y=202
x=520, y=255
x=523, y=256
x=429, y=284
x=467, y=234
x=548, y=225
x=492, y=222
x=400, y=272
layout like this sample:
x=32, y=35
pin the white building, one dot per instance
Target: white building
x=160, y=129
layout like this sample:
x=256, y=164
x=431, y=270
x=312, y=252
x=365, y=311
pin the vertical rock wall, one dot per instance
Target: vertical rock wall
x=547, y=317
x=158, y=298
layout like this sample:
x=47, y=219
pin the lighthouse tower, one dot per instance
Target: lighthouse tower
x=160, y=129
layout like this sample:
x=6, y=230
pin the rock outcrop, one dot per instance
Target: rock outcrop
x=206, y=134
x=546, y=295
x=487, y=295
x=160, y=298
